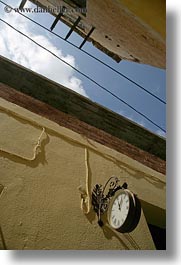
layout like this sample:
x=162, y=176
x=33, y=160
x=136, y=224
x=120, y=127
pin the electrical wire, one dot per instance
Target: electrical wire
x=90, y=55
x=83, y=74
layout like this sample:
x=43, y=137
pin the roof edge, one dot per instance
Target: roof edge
x=70, y=102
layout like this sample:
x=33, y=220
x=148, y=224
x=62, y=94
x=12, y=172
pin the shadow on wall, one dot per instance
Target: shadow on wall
x=2, y=239
x=137, y=174
x=109, y=234
x=40, y=158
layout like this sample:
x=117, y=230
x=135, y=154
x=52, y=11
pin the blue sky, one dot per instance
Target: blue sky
x=153, y=79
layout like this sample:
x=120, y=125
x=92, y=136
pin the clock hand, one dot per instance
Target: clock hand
x=120, y=204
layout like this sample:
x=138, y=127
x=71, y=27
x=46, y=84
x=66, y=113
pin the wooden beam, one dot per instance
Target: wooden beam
x=73, y=27
x=56, y=21
x=86, y=38
x=22, y=4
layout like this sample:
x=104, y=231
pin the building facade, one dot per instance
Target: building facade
x=55, y=146
x=122, y=29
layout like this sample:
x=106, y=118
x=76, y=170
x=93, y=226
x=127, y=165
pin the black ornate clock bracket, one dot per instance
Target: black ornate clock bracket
x=100, y=201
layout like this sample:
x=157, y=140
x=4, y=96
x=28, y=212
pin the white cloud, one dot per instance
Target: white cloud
x=21, y=50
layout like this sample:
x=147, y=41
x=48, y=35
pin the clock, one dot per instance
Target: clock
x=124, y=211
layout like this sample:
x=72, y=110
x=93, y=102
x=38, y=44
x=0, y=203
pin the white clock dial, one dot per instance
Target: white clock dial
x=119, y=210
x=124, y=211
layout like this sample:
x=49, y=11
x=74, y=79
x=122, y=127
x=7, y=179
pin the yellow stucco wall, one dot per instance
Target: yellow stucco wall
x=151, y=12
x=40, y=202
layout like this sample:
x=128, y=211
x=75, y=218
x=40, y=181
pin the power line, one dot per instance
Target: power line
x=90, y=55
x=83, y=74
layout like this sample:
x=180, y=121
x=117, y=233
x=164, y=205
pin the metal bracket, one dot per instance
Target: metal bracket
x=100, y=201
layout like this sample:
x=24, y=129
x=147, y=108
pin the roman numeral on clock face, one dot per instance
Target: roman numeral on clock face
x=115, y=221
x=113, y=217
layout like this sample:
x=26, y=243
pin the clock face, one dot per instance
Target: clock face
x=124, y=211
x=119, y=210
